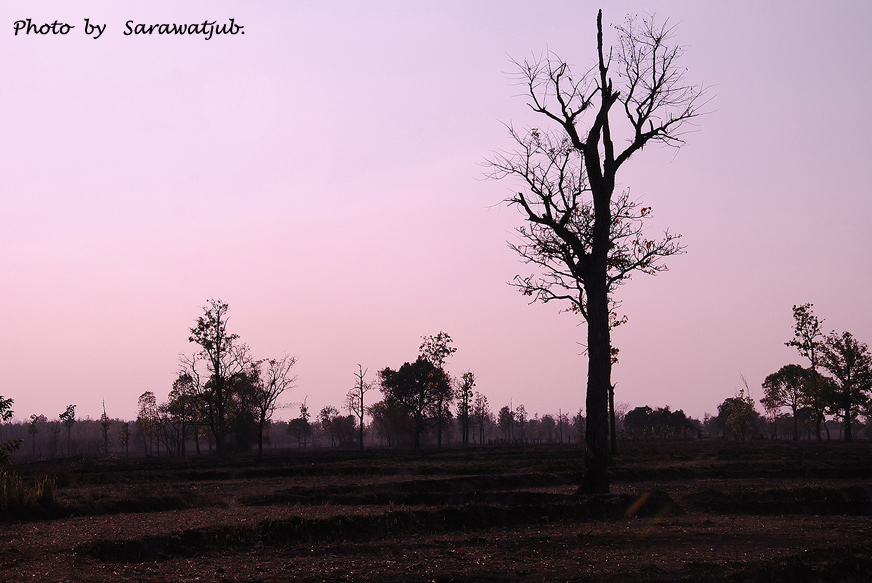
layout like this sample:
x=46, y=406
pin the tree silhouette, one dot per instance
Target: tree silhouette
x=436, y=349
x=464, y=404
x=850, y=364
x=273, y=380
x=419, y=388
x=214, y=367
x=808, y=341
x=68, y=418
x=104, y=429
x=480, y=413
x=355, y=399
x=785, y=388
x=5, y=412
x=584, y=239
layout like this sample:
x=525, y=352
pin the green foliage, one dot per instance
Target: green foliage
x=5, y=409
x=7, y=448
x=737, y=414
x=16, y=495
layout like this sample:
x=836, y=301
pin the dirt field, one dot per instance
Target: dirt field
x=711, y=511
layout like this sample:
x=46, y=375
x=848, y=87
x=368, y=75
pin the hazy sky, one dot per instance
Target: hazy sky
x=322, y=174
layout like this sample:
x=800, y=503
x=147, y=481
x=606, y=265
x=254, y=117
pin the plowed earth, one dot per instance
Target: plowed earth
x=677, y=512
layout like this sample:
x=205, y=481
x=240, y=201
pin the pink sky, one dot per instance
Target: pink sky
x=323, y=175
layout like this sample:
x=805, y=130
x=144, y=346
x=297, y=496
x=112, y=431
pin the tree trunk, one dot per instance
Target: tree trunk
x=596, y=476
x=439, y=426
x=848, y=434
x=614, y=437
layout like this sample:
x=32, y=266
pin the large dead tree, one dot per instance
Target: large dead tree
x=584, y=239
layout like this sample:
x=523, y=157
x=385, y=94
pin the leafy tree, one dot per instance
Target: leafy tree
x=737, y=415
x=661, y=423
x=104, y=429
x=184, y=410
x=326, y=418
x=464, y=404
x=521, y=419
x=547, y=425
x=148, y=421
x=436, y=349
x=5, y=412
x=124, y=438
x=420, y=388
x=850, y=364
x=808, y=341
x=33, y=429
x=585, y=239
x=480, y=414
x=785, y=388
x=7, y=448
x=390, y=420
x=562, y=421
x=68, y=418
x=300, y=427
x=344, y=428
x=506, y=422
x=219, y=363
x=355, y=398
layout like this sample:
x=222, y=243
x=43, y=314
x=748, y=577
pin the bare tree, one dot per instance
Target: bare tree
x=355, y=398
x=585, y=240
x=273, y=380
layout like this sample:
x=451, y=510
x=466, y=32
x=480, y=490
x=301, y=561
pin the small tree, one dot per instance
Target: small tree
x=326, y=417
x=808, y=341
x=148, y=421
x=521, y=419
x=785, y=389
x=33, y=429
x=124, y=438
x=480, y=414
x=421, y=389
x=68, y=418
x=850, y=364
x=737, y=415
x=104, y=429
x=355, y=399
x=436, y=349
x=213, y=369
x=273, y=380
x=464, y=404
x=506, y=422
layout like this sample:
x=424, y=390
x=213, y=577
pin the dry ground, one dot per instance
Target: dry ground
x=677, y=512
